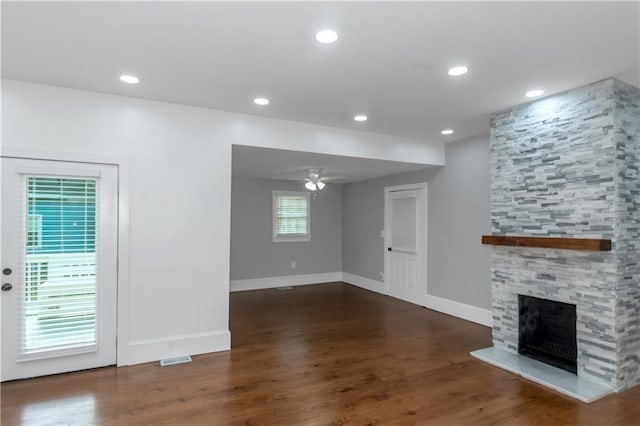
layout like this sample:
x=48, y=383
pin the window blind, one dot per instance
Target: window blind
x=291, y=215
x=59, y=275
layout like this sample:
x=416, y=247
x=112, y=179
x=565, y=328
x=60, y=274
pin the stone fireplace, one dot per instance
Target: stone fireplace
x=568, y=166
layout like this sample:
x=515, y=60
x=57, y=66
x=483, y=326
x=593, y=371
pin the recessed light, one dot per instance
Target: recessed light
x=129, y=79
x=458, y=70
x=360, y=117
x=327, y=36
x=261, y=101
x=534, y=93
x=447, y=132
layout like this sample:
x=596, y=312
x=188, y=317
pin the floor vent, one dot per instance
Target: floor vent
x=176, y=360
x=285, y=288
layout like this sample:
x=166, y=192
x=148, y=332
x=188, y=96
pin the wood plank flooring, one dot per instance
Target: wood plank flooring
x=328, y=354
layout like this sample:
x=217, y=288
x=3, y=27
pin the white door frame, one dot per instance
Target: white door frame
x=122, y=162
x=422, y=258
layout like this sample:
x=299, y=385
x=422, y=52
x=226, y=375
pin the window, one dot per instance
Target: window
x=290, y=216
x=60, y=265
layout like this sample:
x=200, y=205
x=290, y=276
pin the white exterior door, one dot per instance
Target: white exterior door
x=405, y=243
x=59, y=267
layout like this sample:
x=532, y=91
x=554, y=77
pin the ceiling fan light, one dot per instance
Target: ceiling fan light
x=320, y=185
x=311, y=186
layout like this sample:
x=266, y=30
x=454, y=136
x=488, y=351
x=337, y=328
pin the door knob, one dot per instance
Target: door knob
x=6, y=287
x=7, y=271
x=389, y=249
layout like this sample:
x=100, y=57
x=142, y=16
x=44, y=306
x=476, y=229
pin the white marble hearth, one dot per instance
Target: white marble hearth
x=544, y=374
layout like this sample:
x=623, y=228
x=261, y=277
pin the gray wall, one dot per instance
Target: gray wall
x=459, y=214
x=458, y=265
x=254, y=255
x=363, y=219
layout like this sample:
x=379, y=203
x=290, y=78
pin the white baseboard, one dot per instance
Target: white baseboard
x=366, y=283
x=167, y=347
x=288, y=280
x=460, y=310
x=446, y=306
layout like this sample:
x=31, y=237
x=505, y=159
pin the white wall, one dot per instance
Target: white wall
x=180, y=180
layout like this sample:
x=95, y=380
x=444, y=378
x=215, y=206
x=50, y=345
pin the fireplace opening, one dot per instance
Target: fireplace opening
x=547, y=332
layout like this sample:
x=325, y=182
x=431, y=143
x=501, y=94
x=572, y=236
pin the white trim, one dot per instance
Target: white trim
x=122, y=339
x=408, y=187
x=291, y=239
x=460, y=310
x=37, y=356
x=446, y=306
x=422, y=242
x=44, y=172
x=285, y=281
x=149, y=350
x=70, y=157
x=366, y=283
x=123, y=224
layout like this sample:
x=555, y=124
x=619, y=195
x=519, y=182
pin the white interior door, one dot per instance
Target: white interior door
x=59, y=267
x=405, y=241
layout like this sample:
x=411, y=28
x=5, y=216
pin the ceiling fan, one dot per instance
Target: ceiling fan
x=314, y=181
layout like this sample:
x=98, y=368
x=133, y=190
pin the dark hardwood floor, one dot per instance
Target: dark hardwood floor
x=328, y=354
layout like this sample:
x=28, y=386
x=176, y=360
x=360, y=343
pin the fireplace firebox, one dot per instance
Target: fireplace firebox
x=547, y=332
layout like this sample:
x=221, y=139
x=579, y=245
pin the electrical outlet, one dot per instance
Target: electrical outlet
x=382, y=276
x=293, y=265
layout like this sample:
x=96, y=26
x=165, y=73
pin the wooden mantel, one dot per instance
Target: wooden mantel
x=549, y=242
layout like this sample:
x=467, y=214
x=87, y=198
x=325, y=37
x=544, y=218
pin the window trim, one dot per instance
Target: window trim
x=289, y=238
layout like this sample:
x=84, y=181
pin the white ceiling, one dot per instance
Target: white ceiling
x=390, y=62
x=281, y=164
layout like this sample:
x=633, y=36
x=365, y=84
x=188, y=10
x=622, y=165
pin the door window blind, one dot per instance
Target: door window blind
x=290, y=216
x=59, y=243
